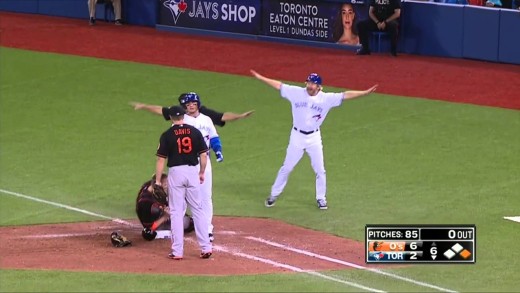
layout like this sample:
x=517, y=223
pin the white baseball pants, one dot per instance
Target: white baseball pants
x=298, y=143
x=184, y=187
x=206, y=191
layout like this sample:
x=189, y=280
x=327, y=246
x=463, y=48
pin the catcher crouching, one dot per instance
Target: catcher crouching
x=152, y=209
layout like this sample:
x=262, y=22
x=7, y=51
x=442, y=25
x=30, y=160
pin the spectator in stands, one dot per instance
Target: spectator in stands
x=476, y=2
x=461, y=2
x=345, y=30
x=382, y=16
x=507, y=4
x=92, y=10
x=494, y=3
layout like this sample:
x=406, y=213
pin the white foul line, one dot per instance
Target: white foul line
x=349, y=264
x=67, y=207
x=289, y=267
x=514, y=219
x=218, y=248
x=58, y=235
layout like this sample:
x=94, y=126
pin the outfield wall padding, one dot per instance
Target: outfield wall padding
x=427, y=28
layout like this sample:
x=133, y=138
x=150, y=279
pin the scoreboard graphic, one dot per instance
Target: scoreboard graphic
x=420, y=244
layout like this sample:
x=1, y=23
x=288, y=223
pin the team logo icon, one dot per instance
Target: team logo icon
x=317, y=117
x=176, y=7
x=377, y=255
x=377, y=246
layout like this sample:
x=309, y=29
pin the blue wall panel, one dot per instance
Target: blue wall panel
x=432, y=28
x=140, y=12
x=66, y=8
x=426, y=28
x=509, y=37
x=481, y=27
x=25, y=6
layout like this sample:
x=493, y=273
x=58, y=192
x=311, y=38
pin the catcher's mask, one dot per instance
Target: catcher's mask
x=189, y=97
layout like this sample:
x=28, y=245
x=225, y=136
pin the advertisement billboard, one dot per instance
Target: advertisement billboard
x=237, y=16
x=323, y=21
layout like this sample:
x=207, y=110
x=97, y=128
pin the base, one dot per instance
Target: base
x=163, y=234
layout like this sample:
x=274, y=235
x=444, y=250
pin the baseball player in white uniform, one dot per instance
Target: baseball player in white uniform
x=191, y=102
x=310, y=106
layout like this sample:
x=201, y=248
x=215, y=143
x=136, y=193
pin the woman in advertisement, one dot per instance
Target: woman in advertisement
x=345, y=28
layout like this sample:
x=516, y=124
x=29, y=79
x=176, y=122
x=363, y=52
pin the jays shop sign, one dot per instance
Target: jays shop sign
x=238, y=16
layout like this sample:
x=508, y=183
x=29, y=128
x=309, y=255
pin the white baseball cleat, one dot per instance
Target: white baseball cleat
x=269, y=202
x=322, y=204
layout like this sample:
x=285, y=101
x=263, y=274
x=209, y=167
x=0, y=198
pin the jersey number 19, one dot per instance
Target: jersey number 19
x=184, y=145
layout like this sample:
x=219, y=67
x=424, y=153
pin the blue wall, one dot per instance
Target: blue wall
x=432, y=29
x=509, y=37
x=481, y=30
x=67, y=8
x=137, y=12
x=452, y=30
x=140, y=12
x=26, y=6
x=427, y=28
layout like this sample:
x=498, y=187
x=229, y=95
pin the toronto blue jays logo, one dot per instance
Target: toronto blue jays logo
x=317, y=117
x=176, y=7
x=377, y=255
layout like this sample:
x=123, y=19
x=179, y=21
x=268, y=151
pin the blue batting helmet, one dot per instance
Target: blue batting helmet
x=314, y=78
x=189, y=97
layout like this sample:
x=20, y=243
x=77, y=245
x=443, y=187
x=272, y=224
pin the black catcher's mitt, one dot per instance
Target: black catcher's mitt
x=159, y=194
x=119, y=240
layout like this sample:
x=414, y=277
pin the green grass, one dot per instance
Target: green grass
x=56, y=281
x=68, y=135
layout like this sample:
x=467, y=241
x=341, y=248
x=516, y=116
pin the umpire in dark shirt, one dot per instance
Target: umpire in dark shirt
x=382, y=16
x=181, y=146
x=218, y=118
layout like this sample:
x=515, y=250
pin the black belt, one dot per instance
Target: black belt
x=178, y=165
x=305, y=132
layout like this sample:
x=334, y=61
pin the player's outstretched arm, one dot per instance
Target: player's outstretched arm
x=274, y=83
x=230, y=116
x=349, y=95
x=150, y=108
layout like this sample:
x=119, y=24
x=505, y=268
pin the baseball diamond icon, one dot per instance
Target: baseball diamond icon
x=457, y=249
